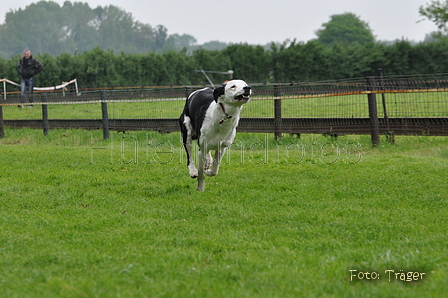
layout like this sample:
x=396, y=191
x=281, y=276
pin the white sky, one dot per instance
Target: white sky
x=261, y=22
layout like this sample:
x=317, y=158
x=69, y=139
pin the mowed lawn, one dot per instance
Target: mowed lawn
x=309, y=217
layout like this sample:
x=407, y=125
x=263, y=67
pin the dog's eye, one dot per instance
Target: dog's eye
x=233, y=87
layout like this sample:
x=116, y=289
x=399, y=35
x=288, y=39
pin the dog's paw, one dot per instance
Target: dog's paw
x=194, y=174
x=209, y=173
x=200, y=187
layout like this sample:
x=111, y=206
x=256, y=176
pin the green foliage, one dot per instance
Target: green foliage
x=179, y=67
x=52, y=73
x=104, y=47
x=21, y=32
x=81, y=221
x=46, y=27
x=249, y=61
x=436, y=11
x=296, y=61
x=80, y=30
x=431, y=57
x=214, y=45
x=346, y=29
x=175, y=42
x=300, y=61
x=290, y=61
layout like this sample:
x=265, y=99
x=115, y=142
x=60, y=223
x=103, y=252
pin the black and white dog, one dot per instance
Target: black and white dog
x=211, y=116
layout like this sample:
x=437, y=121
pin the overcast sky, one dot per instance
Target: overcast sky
x=261, y=22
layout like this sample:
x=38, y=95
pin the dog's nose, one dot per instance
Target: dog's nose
x=246, y=87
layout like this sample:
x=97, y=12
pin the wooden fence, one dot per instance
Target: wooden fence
x=400, y=105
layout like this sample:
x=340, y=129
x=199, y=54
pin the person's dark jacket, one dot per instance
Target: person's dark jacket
x=27, y=68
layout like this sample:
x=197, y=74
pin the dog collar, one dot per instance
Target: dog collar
x=224, y=111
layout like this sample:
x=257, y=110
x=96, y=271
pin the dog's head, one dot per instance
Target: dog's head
x=234, y=91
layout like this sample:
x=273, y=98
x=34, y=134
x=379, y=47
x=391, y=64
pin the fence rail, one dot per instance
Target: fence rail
x=407, y=105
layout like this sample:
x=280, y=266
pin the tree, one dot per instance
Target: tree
x=39, y=27
x=46, y=27
x=161, y=34
x=436, y=11
x=298, y=61
x=175, y=42
x=79, y=25
x=345, y=29
x=248, y=61
x=214, y=45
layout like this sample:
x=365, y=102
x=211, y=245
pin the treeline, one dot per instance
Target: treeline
x=290, y=62
x=47, y=27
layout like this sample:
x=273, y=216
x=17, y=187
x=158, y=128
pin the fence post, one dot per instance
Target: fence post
x=4, y=89
x=105, y=115
x=277, y=112
x=2, y=125
x=389, y=134
x=45, y=125
x=373, y=112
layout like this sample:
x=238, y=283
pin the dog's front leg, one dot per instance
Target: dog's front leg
x=201, y=180
x=216, y=162
x=208, y=161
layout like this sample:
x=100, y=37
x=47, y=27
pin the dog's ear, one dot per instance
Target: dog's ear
x=218, y=92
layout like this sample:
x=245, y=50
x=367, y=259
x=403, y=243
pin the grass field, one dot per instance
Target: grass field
x=84, y=217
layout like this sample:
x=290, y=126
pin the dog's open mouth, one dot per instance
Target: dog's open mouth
x=243, y=97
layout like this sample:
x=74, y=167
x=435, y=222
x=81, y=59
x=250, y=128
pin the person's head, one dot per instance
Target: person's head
x=26, y=54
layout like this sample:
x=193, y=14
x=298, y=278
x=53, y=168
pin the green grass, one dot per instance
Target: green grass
x=84, y=217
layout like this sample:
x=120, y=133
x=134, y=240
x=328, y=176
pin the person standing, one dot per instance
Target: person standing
x=28, y=67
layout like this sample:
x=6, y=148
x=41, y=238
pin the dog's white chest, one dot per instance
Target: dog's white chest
x=218, y=130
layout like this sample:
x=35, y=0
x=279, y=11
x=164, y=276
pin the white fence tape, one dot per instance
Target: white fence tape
x=62, y=86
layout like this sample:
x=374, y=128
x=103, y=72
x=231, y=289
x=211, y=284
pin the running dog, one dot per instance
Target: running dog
x=211, y=116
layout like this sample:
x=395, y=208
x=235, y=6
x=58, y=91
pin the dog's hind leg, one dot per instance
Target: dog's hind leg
x=191, y=165
x=187, y=139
